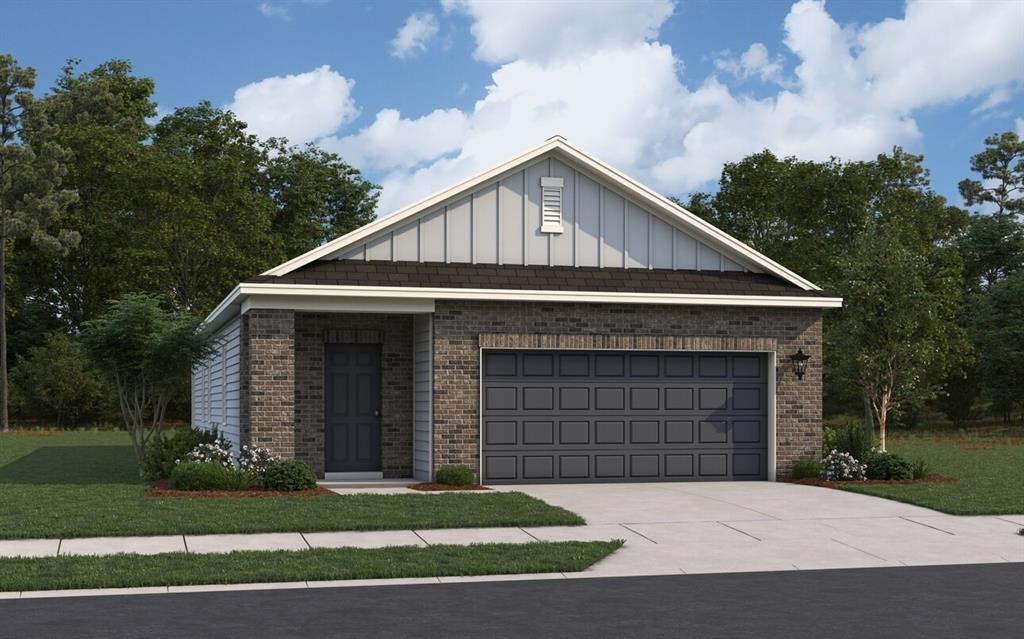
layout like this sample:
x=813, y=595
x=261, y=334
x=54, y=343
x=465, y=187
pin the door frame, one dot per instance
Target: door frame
x=355, y=475
x=770, y=390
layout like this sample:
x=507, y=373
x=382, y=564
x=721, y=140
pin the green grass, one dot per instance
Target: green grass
x=181, y=569
x=85, y=484
x=987, y=468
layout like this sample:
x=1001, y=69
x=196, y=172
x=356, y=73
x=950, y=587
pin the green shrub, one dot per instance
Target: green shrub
x=455, y=475
x=888, y=466
x=289, y=474
x=208, y=476
x=164, y=452
x=806, y=469
x=855, y=438
x=828, y=440
x=919, y=469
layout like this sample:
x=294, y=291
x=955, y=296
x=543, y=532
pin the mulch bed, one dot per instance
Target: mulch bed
x=162, y=488
x=824, y=483
x=427, y=487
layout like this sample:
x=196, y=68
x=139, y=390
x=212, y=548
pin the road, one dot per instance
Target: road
x=945, y=601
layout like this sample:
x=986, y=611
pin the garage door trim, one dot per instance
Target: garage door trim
x=770, y=390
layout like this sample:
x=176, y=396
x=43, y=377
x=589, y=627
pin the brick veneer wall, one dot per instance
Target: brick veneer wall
x=394, y=334
x=267, y=383
x=458, y=326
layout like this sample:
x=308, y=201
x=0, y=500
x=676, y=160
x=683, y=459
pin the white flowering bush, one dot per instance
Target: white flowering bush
x=254, y=460
x=839, y=466
x=218, y=452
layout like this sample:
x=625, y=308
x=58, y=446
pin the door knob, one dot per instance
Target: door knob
x=376, y=413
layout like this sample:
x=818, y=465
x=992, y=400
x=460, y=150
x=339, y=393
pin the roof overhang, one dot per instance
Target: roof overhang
x=412, y=299
x=558, y=145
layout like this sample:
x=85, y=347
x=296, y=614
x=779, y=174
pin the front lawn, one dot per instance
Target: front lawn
x=181, y=569
x=85, y=484
x=987, y=468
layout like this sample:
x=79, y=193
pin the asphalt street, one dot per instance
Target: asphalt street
x=936, y=601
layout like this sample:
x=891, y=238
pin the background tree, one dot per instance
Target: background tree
x=1001, y=166
x=54, y=382
x=147, y=353
x=32, y=166
x=998, y=331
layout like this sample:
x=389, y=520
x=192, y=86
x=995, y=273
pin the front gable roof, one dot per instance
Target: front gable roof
x=731, y=253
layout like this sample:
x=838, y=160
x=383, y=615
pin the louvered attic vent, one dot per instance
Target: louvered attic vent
x=551, y=204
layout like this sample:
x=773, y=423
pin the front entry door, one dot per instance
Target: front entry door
x=352, y=408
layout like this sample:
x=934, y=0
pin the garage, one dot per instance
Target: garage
x=614, y=416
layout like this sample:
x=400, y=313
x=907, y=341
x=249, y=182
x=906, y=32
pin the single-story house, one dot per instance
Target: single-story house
x=548, y=320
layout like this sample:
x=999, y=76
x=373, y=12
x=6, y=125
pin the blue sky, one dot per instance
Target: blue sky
x=665, y=91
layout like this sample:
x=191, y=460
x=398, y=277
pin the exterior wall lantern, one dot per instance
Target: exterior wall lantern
x=799, y=360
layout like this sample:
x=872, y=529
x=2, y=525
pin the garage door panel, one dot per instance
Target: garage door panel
x=609, y=416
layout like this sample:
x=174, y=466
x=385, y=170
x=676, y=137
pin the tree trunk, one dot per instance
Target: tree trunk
x=4, y=426
x=883, y=417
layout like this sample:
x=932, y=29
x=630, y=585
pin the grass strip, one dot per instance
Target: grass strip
x=182, y=569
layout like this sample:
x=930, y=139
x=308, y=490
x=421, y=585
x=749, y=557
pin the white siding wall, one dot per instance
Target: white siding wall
x=499, y=223
x=216, y=398
x=422, y=397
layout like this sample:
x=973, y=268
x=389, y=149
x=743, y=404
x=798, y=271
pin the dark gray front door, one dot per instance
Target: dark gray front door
x=352, y=408
x=608, y=416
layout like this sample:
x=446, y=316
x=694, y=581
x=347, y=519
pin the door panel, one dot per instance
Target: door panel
x=352, y=408
x=572, y=416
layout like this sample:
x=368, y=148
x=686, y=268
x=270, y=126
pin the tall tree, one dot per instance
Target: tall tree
x=32, y=167
x=999, y=337
x=1001, y=166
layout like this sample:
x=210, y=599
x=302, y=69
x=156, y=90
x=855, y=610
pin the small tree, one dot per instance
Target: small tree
x=148, y=354
x=897, y=329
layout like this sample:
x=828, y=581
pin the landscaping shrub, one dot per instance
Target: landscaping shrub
x=839, y=466
x=919, y=469
x=828, y=440
x=289, y=474
x=806, y=469
x=855, y=438
x=217, y=452
x=887, y=466
x=166, y=450
x=255, y=460
x=455, y=475
x=209, y=476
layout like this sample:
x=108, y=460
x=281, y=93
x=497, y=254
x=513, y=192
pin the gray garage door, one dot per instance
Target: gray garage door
x=605, y=416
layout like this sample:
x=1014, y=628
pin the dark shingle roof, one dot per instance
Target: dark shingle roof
x=536, y=278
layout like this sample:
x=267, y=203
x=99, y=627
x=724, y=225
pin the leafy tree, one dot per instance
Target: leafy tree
x=1001, y=166
x=54, y=382
x=992, y=247
x=999, y=337
x=317, y=196
x=897, y=326
x=147, y=353
x=32, y=167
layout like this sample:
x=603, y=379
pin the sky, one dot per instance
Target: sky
x=420, y=95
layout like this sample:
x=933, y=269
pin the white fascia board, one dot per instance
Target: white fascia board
x=512, y=295
x=628, y=185
x=313, y=303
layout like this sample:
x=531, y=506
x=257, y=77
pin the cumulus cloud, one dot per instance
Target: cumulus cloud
x=544, y=31
x=754, y=62
x=415, y=35
x=302, y=107
x=271, y=10
x=601, y=79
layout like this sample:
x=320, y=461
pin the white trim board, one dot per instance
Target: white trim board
x=558, y=146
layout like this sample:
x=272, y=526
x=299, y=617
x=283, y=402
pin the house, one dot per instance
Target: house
x=548, y=320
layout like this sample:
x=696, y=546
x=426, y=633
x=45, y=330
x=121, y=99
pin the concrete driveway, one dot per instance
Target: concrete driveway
x=673, y=528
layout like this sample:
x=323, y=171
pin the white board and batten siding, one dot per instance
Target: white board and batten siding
x=216, y=393
x=422, y=397
x=500, y=223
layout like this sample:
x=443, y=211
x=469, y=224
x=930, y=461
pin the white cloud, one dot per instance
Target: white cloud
x=545, y=31
x=302, y=107
x=393, y=142
x=755, y=61
x=997, y=96
x=414, y=36
x=596, y=77
x=271, y=10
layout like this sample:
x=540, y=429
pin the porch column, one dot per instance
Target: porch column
x=268, y=380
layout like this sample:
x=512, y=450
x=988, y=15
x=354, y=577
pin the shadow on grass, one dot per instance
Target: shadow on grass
x=73, y=465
